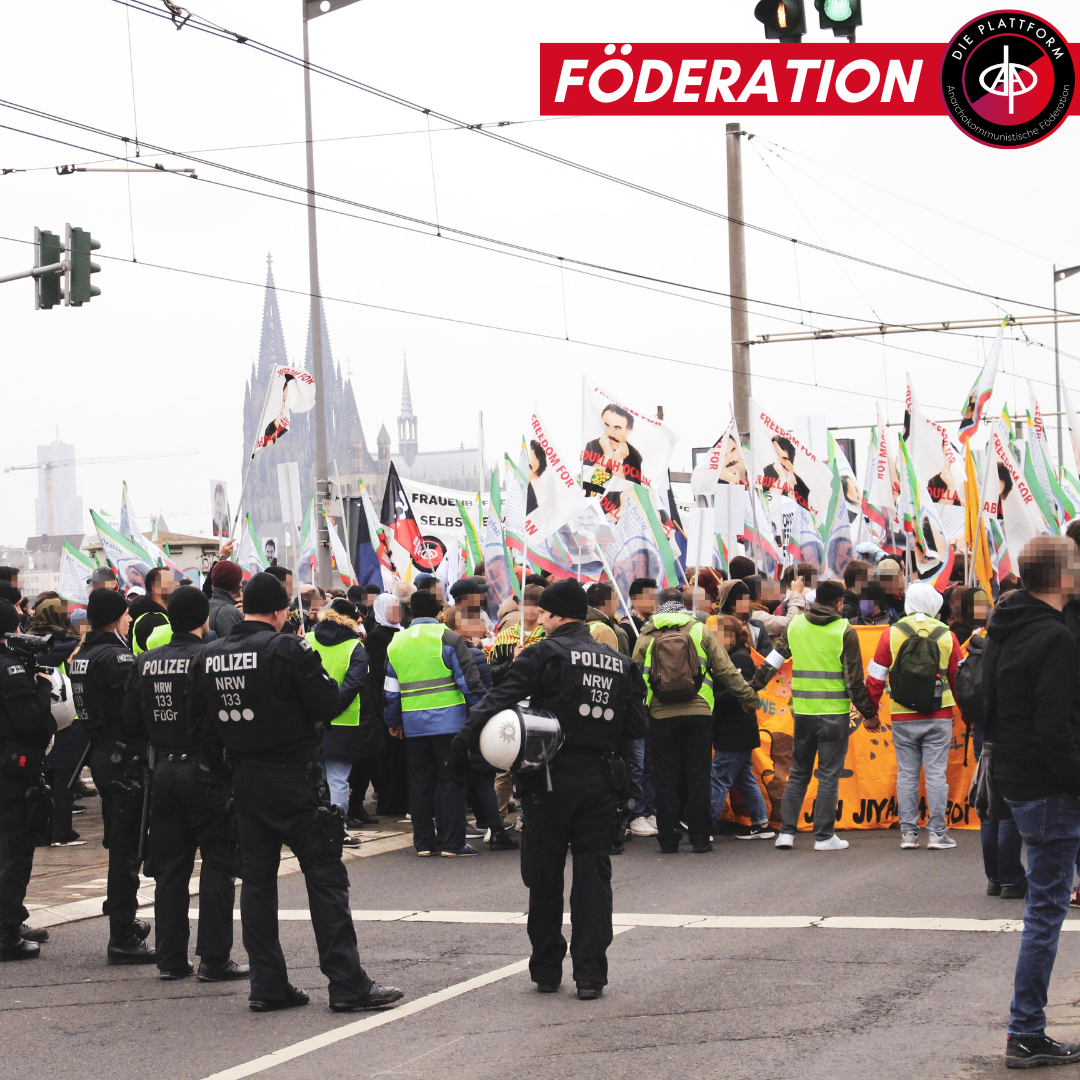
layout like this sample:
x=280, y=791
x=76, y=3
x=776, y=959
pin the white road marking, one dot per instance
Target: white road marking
x=374, y=1020
x=684, y=922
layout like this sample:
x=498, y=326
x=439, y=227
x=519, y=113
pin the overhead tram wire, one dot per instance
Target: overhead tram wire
x=196, y=22
x=467, y=238
x=303, y=142
x=558, y=338
x=583, y=272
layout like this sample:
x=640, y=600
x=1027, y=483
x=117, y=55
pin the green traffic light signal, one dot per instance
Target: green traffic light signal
x=784, y=20
x=48, y=250
x=840, y=16
x=79, y=245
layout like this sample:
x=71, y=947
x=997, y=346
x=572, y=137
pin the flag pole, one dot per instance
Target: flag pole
x=614, y=584
x=254, y=447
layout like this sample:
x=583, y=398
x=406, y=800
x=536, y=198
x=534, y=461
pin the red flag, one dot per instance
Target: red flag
x=397, y=515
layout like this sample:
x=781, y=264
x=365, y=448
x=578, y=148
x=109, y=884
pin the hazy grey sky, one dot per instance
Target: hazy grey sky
x=159, y=361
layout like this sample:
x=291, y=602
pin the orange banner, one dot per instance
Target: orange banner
x=868, y=781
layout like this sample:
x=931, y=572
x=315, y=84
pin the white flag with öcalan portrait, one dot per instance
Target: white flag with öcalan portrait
x=291, y=390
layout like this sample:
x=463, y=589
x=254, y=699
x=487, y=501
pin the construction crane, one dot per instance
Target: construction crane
x=48, y=468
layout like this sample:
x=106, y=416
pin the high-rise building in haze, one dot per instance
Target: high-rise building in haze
x=58, y=507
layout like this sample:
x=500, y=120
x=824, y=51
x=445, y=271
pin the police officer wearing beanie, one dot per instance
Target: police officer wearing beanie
x=99, y=673
x=189, y=807
x=259, y=700
x=598, y=697
x=26, y=725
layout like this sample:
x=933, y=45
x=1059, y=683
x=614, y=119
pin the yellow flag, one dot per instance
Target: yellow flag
x=974, y=530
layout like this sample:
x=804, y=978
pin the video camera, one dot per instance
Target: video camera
x=27, y=647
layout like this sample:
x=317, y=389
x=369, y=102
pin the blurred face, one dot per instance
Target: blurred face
x=472, y=626
x=530, y=613
x=771, y=592
x=694, y=598
x=742, y=607
x=646, y=601
x=393, y=612
x=891, y=583
x=123, y=624
x=727, y=638
x=981, y=610
x=288, y=585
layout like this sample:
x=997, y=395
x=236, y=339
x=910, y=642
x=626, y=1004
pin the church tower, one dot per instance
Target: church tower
x=406, y=422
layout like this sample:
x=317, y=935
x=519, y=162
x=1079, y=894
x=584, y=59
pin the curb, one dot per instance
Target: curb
x=90, y=908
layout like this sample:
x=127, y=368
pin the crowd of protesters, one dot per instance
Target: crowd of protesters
x=1009, y=662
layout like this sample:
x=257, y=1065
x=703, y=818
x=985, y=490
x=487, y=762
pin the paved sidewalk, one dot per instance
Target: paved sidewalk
x=68, y=883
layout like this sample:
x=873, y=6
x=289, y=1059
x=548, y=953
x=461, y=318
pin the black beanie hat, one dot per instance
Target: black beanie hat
x=9, y=617
x=104, y=606
x=264, y=594
x=344, y=607
x=566, y=599
x=424, y=604
x=188, y=609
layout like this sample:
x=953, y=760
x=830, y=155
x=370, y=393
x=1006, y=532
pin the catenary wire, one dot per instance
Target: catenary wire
x=504, y=329
x=203, y=25
x=445, y=231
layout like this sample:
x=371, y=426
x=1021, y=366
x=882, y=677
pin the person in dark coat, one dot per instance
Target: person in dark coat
x=469, y=625
x=735, y=738
x=393, y=787
x=51, y=618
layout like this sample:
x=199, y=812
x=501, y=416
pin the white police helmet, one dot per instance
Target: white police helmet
x=63, y=701
x=520, y=739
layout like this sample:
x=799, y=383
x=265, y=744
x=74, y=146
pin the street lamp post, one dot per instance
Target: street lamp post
x=312, y=9
x=1059, y=275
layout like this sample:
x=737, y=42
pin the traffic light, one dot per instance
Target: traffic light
x=79, y=245
x=784, y=20
x=48, y=250
x=840, y=16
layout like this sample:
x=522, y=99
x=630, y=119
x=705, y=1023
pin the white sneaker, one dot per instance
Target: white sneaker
x=909, y=840
x=785, y=840
x=834, y=843
x=651, y=819
x=940, y=843
x=640, y=827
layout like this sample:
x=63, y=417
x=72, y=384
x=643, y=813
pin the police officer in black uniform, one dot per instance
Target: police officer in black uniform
x=99, y=673
x=260, y=699
x=189, y=807
x=599, y=699
x=26, y=726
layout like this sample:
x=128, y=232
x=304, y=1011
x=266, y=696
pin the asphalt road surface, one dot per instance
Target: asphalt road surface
x=815, y=994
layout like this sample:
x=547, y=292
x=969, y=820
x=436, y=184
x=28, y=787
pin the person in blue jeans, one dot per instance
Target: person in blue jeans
x=1032, y=706
x=735, y=737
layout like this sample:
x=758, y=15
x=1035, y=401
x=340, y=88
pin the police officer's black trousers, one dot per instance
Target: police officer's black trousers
x=188, y=812
x=16, y=864
x=121, y=894
x=273, y=804
x=580, y=814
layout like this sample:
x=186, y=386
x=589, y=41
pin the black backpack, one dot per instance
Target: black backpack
x=915, y=677
x=969, y=683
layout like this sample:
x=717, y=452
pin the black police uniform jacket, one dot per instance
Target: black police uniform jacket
x=26, y=726
x=99, y=675
x=157, y=693
x=260, y=694
x=597, y=694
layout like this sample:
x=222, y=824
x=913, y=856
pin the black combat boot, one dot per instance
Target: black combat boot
x=13, y=946
x=126, y=944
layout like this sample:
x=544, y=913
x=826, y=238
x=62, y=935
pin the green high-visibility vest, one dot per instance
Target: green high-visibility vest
x=155, y=639
x=669, y=619
x=425, y=680
x=336, y=660
x=817, y=667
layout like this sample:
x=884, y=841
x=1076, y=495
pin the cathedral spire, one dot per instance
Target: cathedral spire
x=272, y=343
x=406, y=422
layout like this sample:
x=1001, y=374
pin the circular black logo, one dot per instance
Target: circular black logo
x=1007, y=78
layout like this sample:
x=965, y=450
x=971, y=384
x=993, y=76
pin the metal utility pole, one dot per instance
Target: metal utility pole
x=740, y=325
x=312, y=9
x=1059, y=275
